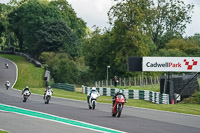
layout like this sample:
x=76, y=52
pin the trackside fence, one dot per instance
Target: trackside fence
x=151, y=96
x=64, y=86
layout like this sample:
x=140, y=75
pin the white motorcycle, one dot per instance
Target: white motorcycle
x=7, y=85
x=25, y=95
x=93, y=100
x=6, y=65
x=47, y=97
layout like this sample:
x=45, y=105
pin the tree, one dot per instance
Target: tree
x=7, y=37
x=180, y=47
x=156, y=18
x=54, y=36
x=65, y=69
x=98, y=53
x=170, y=16
x=77, y=25
x=28, y=17
x=131, y=21
x=195, y=38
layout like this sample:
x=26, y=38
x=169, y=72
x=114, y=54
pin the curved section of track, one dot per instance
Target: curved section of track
x=133, y=120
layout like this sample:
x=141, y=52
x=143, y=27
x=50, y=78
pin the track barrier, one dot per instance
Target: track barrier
x=151, y=96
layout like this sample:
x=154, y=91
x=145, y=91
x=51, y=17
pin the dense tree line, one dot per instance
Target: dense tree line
x=51, y=32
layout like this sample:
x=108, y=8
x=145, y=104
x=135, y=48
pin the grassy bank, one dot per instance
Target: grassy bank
x=34, y=78
x=3, y=131
x=28, y=74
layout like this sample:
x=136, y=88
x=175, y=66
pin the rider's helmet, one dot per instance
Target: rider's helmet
x=7, y=81
x=49, y=87
x=93, y=89
x=27, y=87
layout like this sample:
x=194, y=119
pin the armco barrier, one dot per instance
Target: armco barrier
x=37, y=63
x=150, y=96
x=64, y=86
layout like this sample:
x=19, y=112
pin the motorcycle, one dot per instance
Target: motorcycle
x=47, y=97
x=6, y=65
x=25, y=95
x=92, y=100
x=118, y=106
x=7, y=86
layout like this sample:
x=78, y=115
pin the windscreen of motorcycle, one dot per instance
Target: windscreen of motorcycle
x=94, y=95
x=120, y=96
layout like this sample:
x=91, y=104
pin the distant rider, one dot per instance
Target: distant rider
x=120, y=92
x=26, y=89
x=7, y=84
x=92, y=91
x=6, y=65
x=48, y=88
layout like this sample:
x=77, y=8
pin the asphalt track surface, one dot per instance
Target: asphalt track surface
x=133, y=120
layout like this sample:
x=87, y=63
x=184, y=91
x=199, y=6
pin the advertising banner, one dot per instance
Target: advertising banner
x=171, y=64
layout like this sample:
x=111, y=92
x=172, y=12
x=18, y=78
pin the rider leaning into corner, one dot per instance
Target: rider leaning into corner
x=48, y=88
x=26, y=89
x=120, y=92
x=89, y=93
x=6, y=65
x=7, y=83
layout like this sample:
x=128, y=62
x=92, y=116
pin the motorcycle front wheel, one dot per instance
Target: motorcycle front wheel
x=113, y=114
x=93, y=105
x=119, y=111
x=24, y=99
x=46, y=100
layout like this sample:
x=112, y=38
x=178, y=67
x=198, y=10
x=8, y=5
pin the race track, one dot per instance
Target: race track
x=133, y=120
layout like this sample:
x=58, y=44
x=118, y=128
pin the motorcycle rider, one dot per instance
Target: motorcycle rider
x=26, y=89
x=48, y=88
x=7, y=84
x=92, y=91
x=6, y=65
x=120, y=92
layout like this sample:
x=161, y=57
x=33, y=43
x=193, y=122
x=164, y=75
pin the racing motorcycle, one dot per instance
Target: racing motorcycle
x=6, y=65
x=118, y=106
x=7, y=85
x=93, y=100
x=25, y=95
x=47, y=96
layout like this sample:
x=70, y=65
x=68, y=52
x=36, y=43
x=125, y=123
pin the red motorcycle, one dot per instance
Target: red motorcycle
x=118, y=106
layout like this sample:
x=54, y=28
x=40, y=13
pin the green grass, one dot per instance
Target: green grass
x=34, y=78
x=3, y=131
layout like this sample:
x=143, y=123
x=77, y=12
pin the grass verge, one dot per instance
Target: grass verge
x=34, y=78
x=3, y=131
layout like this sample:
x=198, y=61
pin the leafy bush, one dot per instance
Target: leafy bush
x=64, y=69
